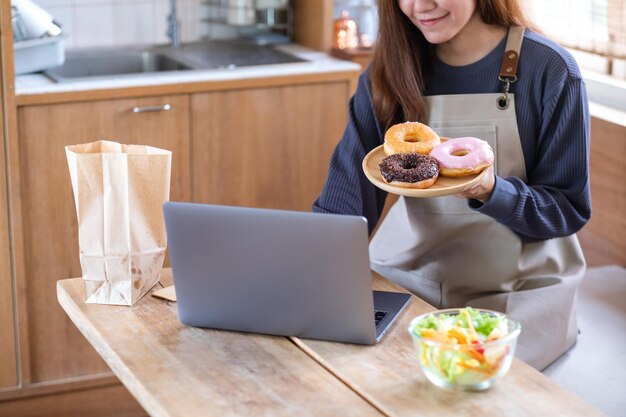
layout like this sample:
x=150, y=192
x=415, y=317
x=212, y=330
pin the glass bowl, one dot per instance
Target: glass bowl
x=464, y=348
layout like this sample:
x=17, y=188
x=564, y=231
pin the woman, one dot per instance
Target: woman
x=468, y=68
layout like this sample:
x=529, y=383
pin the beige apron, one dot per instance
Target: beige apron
x=452, y=256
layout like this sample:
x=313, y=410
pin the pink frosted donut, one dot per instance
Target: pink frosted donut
x=462, y=156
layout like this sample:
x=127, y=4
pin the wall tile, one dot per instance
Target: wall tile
x=47, y=3
x=91, y=2
x=162, y=9
x=189, y=15
x=93, y=25
x=125, y=22
x=133, y=23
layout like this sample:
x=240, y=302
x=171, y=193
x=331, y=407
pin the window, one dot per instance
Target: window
x=594, y=28
x=594, y=31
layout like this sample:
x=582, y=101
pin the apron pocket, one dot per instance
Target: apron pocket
x=546, y=309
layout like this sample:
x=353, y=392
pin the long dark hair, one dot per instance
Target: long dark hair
x=401, y=62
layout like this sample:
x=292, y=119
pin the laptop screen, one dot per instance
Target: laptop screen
x=272, y=271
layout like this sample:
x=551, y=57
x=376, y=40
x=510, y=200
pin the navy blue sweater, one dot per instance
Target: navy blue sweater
x=553, y=122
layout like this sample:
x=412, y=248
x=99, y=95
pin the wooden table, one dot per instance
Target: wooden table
x=176, y=370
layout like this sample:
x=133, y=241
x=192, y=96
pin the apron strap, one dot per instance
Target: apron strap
x=508, y=70
x=512, y=52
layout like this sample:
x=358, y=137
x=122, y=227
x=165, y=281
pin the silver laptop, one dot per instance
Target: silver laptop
x=276, y=272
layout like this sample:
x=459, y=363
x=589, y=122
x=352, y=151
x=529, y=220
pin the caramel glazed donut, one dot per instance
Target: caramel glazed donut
x=410, y=137
x=463, y=156
x=409, y=170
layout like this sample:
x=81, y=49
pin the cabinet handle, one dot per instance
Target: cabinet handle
x=145, y=109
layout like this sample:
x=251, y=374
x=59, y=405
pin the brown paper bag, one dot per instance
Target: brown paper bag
x=119, y=191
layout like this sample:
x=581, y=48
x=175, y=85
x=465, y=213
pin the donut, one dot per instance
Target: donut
x=462, y=156
x=410, y=137
x=409, y=170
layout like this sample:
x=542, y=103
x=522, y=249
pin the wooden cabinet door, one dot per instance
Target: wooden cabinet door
x=8, y=358
x=56, y=348
x=8, y=348
x=266, y=147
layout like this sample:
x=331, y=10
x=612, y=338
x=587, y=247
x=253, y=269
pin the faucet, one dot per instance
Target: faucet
x=173, y=25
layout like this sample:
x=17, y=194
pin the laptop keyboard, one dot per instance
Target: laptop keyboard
x=379, y=315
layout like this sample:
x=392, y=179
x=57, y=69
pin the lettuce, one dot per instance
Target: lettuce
x=484, y=323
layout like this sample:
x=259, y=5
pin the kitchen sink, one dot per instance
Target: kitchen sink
x=116, y=62
x=230, y=55
x=108, y=64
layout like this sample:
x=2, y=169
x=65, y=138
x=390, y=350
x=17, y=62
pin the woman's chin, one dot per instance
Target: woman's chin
x=437, y=37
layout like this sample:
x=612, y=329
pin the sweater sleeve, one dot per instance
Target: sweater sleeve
x=347, y=190
x=555, y=201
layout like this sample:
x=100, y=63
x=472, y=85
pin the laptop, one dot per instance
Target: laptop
x=276, y=272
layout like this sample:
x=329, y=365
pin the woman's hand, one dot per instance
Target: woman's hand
x=483, y=189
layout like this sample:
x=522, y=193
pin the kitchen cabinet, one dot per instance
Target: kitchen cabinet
x=289, y=124
x=9, y=372
x=8, y=358
x=55, y=356
x=49, y=217
x=313, y=23
x=361, y=56
x=265, y=147
x=263, y=142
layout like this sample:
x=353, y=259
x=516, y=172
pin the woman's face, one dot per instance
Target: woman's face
x=439, y=20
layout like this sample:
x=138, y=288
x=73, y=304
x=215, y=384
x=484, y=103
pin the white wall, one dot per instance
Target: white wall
x=124, y=22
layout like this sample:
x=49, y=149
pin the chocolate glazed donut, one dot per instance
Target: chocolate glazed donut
x=411, y=170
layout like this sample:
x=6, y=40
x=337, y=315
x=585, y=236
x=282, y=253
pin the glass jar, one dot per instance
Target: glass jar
x=365, y=15
x=345, y=35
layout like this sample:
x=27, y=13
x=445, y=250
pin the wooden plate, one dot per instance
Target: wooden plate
x=443, y=185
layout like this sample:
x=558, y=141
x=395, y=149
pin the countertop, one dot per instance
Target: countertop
x=176, y=370
x=317, y=63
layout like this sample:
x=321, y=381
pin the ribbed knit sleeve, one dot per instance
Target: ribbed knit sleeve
x=553, y=121
x=555, y=200
x=347, y=190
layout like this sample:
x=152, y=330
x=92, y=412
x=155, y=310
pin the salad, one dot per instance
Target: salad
x=464, y=347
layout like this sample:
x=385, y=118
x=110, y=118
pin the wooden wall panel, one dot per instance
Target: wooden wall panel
x=604, y=238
